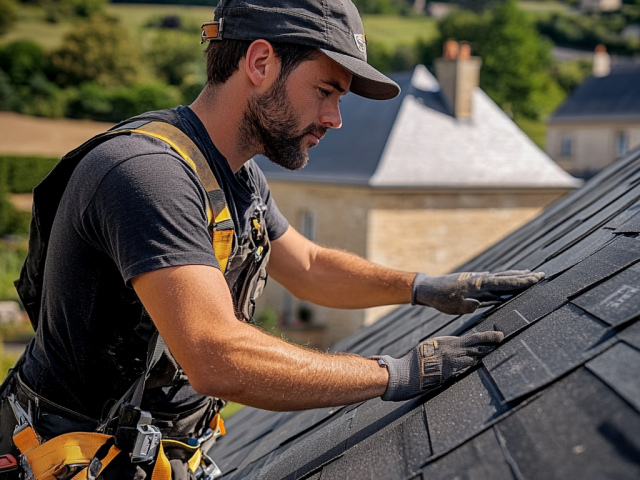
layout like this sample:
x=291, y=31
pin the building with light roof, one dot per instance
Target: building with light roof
x=600, y=121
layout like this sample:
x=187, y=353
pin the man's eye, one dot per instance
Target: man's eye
x=325, y=92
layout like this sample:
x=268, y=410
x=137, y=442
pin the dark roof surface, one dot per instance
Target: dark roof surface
x=616, y=96
x=560, y=398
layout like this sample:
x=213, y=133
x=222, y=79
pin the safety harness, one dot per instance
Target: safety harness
x=127, y=428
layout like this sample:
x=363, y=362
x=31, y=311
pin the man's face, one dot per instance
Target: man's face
x=296, y=111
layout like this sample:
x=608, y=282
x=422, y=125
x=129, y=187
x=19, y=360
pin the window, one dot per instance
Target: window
x=309, y=225
x=622, y=143
x=566, y=146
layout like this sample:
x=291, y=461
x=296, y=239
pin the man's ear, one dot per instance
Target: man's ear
x=261, y=64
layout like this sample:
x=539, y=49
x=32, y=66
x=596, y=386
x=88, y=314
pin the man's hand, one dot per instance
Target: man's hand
x=433, y=362
x=461, y=293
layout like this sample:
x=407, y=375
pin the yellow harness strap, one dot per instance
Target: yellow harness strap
x=218, y=214
x=26, y=439
x=49, y=459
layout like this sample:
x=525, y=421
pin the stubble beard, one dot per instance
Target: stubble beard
x=267, y=124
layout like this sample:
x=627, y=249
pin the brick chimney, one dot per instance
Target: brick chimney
x=601, y=62
x=458, y=75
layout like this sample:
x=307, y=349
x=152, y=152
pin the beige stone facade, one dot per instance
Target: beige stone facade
x=583, y=148
x=432, y=231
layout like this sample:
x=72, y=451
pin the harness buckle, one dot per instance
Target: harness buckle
x=23, y=418
x=135, y=434
x=147, y=444
x=210, y=471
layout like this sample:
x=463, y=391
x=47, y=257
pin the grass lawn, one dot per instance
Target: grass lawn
x=394, y=30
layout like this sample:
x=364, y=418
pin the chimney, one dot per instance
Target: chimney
x=601, y=62
x=458, y=74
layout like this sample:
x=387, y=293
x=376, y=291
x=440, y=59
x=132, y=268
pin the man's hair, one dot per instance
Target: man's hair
x=223, y=58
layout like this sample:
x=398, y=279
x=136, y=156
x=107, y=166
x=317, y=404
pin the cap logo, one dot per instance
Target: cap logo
x=361, y=42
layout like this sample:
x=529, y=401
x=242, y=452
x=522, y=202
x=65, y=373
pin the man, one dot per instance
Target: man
x=130, y=251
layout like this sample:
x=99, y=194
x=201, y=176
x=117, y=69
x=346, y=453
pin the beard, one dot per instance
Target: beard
x=270, y=123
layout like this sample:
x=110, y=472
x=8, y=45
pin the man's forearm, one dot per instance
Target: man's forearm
x=334, y=278
x=344, y=280
x=263, y=371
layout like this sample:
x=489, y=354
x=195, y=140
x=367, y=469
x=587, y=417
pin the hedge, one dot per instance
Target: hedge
x=22, y=173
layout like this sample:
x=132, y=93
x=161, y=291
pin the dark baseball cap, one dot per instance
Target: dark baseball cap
x=333, y=26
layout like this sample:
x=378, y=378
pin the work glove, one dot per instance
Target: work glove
x=433, y=362
x=461, y=293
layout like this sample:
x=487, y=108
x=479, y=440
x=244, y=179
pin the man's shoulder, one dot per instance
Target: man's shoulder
x=128, y=159
x=114, y=152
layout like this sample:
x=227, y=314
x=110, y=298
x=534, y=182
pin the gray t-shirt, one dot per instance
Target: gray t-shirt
x=132, y=206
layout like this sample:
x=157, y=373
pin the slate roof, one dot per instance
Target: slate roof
x=560, y=398
x=413, y=141
x=615, y=97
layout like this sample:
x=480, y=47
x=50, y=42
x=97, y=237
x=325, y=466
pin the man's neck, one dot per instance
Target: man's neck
x=221, y=112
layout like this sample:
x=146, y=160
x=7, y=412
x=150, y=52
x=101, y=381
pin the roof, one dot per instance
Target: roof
x=615, y=97
x=560, y=397
x=413, y=141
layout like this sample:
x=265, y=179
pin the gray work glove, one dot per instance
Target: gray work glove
x=461, y=293
x=433, y=362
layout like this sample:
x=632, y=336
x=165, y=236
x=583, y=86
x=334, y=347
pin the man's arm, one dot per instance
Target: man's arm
x=342, y=280
x=192, y=309
x=334, y=278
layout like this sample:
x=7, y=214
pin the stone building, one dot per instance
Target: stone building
x=423, y=182
x=600, y=121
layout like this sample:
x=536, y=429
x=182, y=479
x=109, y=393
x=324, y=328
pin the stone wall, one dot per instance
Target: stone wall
x=414, y=230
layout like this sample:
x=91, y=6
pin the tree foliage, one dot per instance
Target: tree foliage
x=92, y=101
x=8, y=15
x=98, y=51
x=589, y=30
x=173, y=55
x=516, y=63
x=24, y=83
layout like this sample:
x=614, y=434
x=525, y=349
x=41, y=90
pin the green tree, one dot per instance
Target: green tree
x=21, y=60
x=571, y=73
x=516, y=63
x=113, y=105
x=173, y=55
x=8, y=15
x=99, y=51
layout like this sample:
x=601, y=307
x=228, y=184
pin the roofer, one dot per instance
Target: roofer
x=165, y=222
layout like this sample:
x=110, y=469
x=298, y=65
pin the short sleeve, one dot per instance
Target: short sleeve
x=277, y=224
x=149, y=212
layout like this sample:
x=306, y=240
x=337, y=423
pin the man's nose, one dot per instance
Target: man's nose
x=331, y=117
